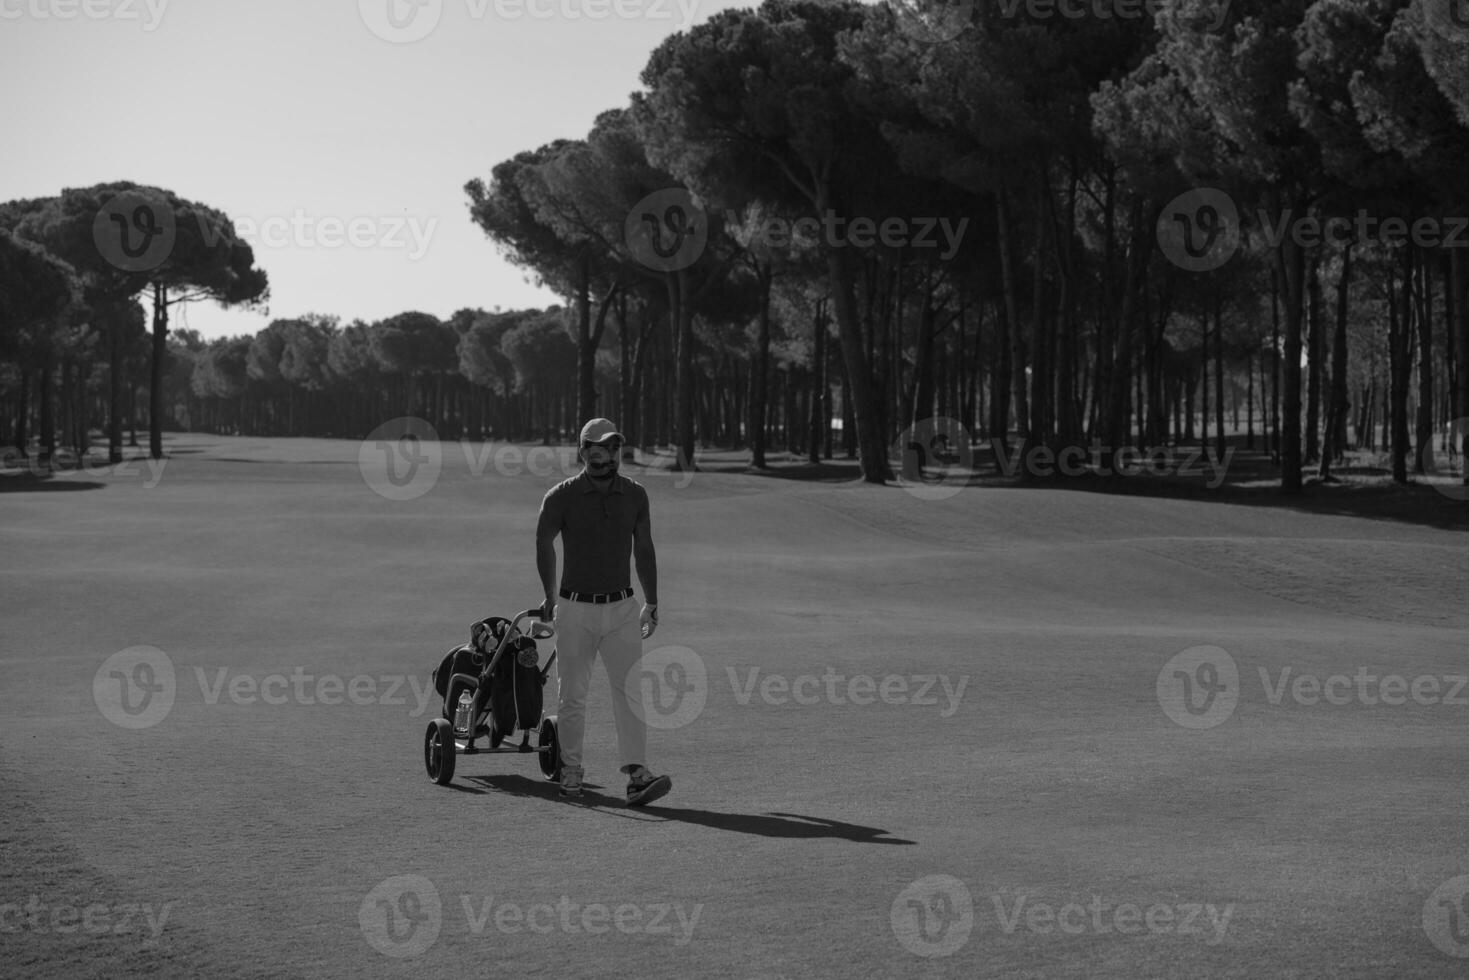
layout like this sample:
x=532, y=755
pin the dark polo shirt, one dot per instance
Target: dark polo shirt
x=596, y=530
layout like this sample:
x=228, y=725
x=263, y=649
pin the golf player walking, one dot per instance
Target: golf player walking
x=602, y=519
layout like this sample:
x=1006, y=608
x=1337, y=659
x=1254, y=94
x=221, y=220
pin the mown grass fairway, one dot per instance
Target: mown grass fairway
x=1289, y=840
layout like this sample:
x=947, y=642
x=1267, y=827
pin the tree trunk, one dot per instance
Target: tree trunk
x=1423, y=455
x=1316, y=322
x=1012, y=318
x=818, y=383
x=1291, y=260
x=760, y=369
x=1400, y=316
x=872, y=451
x=1459, y=287
x=155, y=386
x=1336, y=415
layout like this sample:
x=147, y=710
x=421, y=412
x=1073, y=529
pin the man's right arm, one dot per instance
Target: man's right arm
x=548, y=525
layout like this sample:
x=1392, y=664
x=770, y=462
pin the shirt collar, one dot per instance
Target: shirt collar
x=589, y=487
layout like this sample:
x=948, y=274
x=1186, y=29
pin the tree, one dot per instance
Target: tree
x=39, y=293
x=129, y=238
x=755, y=106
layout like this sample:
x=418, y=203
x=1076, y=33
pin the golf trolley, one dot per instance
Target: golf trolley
x=491, y=687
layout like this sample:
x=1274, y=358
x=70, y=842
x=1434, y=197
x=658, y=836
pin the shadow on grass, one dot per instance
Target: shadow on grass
x=792, y=826
x=34, y=483
x=1356, y=490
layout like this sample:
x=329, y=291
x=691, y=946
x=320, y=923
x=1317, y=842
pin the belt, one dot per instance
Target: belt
x=600, y=598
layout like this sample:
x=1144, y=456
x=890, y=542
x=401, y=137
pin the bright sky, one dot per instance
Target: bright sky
x=343, y=152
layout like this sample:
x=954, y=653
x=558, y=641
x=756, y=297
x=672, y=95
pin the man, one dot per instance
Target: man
x=602, y=519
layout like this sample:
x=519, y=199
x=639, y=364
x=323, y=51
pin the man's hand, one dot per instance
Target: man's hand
x=649, y=619
x=548, y=608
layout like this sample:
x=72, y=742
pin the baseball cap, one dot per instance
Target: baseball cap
x=599, y=431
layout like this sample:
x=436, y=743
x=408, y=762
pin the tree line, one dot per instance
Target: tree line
x=1150, y=222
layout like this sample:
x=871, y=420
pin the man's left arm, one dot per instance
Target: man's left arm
x=645, y=559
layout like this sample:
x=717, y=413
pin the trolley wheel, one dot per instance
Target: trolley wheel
x=438, y=751
x=548, y=747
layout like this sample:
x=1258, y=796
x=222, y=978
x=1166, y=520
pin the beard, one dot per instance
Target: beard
x=602, y=471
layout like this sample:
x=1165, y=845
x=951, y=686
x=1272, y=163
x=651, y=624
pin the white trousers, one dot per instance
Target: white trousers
x=583, y=630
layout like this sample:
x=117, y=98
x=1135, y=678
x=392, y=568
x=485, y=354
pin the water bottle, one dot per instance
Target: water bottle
x=462, y=720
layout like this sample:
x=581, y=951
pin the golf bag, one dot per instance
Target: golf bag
x=511, y=696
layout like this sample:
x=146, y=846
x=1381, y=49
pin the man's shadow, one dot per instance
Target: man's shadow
x=788, y=825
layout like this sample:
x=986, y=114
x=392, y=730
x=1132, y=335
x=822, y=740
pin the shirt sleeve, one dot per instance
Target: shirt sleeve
x=644, y=519
x=553, y=516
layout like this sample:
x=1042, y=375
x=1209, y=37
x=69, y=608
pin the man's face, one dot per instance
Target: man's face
x=601, y=457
